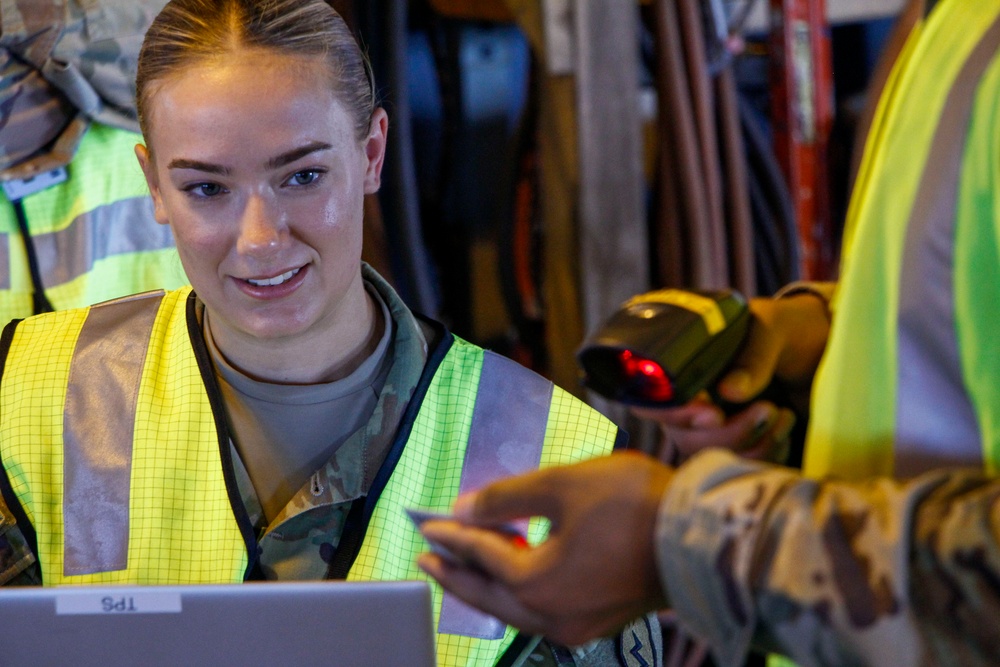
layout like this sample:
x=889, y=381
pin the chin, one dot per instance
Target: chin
x=276, y=325
x=276, y=331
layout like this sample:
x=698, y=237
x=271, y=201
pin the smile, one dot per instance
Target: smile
x=277, y=280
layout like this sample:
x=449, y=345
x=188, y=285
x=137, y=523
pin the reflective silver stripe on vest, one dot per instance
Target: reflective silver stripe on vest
x=118, y=228
x=935, y=420
x=98, y=432
x=4, y=261
x=506, y=438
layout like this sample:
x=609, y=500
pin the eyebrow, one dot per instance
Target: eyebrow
x=296, y=154
x=276, y=162
x=182, y=163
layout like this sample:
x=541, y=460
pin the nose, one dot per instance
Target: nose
x=261, y=227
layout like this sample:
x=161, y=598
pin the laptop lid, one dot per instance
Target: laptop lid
x=264, y=623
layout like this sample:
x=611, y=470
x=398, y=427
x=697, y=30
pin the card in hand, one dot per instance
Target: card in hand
x=418, y=517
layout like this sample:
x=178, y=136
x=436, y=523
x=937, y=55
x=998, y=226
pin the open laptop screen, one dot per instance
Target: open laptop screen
x=301, y=623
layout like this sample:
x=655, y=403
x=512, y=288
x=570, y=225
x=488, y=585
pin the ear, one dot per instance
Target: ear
x=375, y=150
x=153, y=181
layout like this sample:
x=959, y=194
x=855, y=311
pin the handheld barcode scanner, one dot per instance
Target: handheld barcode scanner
x=662, y=348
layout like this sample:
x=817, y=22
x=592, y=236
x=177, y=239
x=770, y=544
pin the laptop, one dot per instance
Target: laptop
x=271, y=624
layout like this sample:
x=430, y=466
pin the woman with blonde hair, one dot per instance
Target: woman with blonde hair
x=273, y=420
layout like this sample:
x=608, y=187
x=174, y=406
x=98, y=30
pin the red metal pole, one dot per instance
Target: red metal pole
x=802, y=113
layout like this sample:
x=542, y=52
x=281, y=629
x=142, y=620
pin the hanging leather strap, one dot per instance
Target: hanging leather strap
x=701, y=96
x=739, y=221
x=677, y=119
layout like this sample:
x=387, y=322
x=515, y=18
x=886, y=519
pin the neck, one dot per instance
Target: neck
x=330, y=354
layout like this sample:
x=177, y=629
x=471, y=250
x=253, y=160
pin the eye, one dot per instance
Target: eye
x=304, y=177
x=209, y=189
x=204, y=190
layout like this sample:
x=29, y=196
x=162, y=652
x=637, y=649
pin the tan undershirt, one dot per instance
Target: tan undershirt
x=284, y=433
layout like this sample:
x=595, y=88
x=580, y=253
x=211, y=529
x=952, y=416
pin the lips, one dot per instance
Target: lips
x=276, y=280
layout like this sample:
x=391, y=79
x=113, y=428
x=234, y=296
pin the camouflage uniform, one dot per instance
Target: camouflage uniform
x=65, y=63
x=878, y=572
x=64, y=58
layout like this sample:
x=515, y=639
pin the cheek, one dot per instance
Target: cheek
x=331, y=226
x=343, y=217
x=339, y=240
x=196, y=240
x=191, y=243
x=197, y=258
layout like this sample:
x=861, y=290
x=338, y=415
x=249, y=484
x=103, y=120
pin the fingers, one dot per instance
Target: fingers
x=563, y=623
x=753, y=370
x=752, y=432
x=492, y=554
x=740, y=431
x=485, y=570
x=479, y=590
x=699, y=413
x=773, y=443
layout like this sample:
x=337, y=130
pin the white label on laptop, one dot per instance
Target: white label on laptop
x=144, y=602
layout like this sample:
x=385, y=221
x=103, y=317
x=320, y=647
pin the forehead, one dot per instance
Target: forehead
x=251, y=93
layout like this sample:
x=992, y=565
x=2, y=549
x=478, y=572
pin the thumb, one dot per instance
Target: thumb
x=752, y=371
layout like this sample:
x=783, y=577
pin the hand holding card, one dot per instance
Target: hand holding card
x=419, y=517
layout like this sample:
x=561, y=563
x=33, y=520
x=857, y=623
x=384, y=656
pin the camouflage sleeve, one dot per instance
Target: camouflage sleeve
x=17, y=562
x=876, y=572
x=92, y=53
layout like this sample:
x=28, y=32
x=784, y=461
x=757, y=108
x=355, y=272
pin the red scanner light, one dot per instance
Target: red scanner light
x=647, y=376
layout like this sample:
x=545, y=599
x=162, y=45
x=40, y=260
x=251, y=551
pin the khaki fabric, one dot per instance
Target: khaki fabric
x=65, y=63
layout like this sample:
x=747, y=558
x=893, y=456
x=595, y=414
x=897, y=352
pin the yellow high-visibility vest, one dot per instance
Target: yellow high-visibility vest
x=928, y=177
x=116, y=450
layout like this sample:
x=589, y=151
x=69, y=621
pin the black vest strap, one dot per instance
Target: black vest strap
x=222, y=428
x=356, y=524
x=40, y=302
